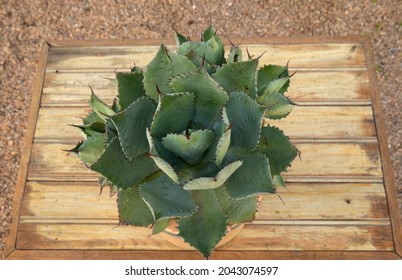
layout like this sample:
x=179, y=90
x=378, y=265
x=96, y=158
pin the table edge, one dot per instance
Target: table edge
x=386, y=162
x=36, y=91
x=250, y=40
x=186, y=255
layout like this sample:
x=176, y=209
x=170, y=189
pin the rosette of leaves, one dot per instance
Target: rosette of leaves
x=184, y=139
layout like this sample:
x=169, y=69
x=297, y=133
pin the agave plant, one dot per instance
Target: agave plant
x=185, y=139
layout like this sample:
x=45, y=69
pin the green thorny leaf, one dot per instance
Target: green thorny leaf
x=130, y=87
x=159, y=161
x=90, y=149
x=132, y=208
x=91, y=129
x=99, y=107
x=92, y=117
x=224, y=142
x=120, y=171
x=245, y=116
x=210, y=51
x=209, y=96
x=173, y=115
x=131, y=126
x=277, y=147
x=162, y=69
x=205, y=228
x=236, y=210
x=252, y=178
x=205, y=183
x=272, y=97
x=238, y=76
x=212, y=39
x=180, y=38
x=278, y=106
x=235, y=54
x=190, y=146
x=167, y=199
x=270, y=73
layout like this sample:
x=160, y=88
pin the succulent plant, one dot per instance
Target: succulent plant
x=185, y=139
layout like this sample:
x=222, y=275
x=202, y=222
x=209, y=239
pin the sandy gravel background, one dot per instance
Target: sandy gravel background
x=26, y=24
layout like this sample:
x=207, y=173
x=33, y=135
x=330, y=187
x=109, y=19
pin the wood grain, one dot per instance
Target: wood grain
x=50, y=162
x=252, y=237
x=81, y=202
x=302, y=56
x=71, y=89
x=303, y=122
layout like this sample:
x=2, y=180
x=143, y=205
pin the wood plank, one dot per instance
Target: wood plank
x=252, y=237
x=255, y=237
x=71, y=89
x=339, y=122
x=302, y=56
x=390, y=185
x=50, y=162
x=192, y=255
x=36, y=90
x=313, y=201
x=303, y=122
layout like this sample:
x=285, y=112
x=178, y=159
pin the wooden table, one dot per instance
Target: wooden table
x=341, y=202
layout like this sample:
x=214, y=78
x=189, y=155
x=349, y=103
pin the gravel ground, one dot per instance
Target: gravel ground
x=25, y=25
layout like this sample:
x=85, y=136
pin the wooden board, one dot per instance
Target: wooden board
x=68, y=89
x=340, y=202
x=313, y=201
x=303, y=122
x=308, y=56
x=253, y=237
x=50, y=161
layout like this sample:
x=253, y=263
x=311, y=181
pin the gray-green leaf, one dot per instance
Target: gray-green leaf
x=205, y=228
x=173, y=115
x=238, y=76
x=277, y=147
x=269, y=73
x=130, y=87
x=120, y=171
x=191, y=147
x=167, y=198
x=131, y=126
x=99, y=107
x=132, y=209
x=90, y=149
x=252, y=178
x=205, y=183
x=162, y=69
x=245, y=115
x=209, y=96
x=236, y=210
